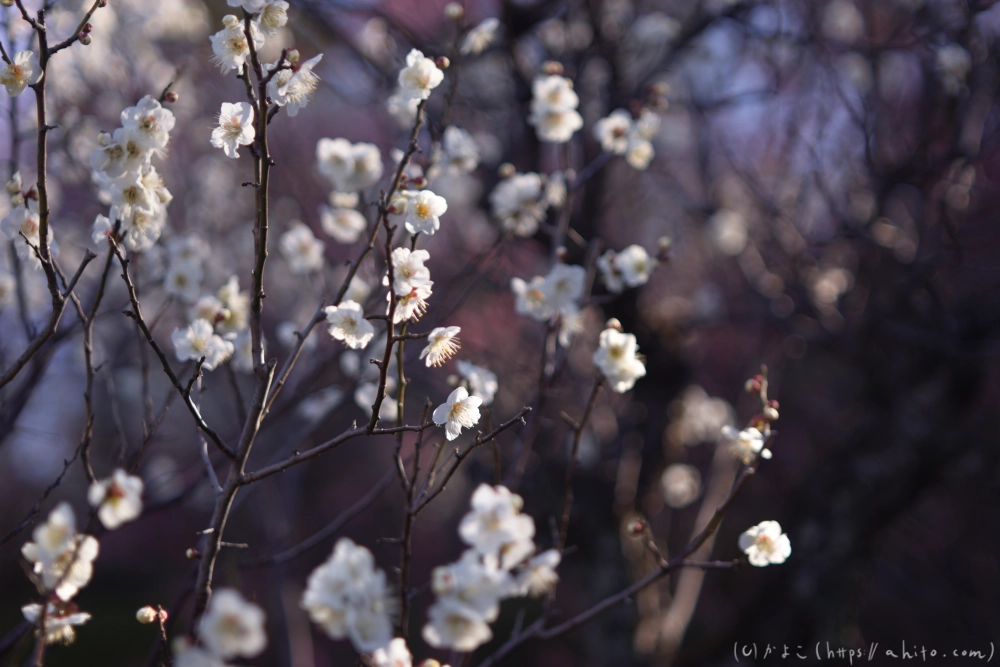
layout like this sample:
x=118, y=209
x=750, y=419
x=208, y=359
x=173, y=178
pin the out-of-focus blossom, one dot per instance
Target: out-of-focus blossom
x=618, y=360
x=302, y=250
x=553, y=109
x=481, y=37
x=232, y=626
x=680, y=485
x=200, y=340
x=348, y=324
x=482, y=382
x=23, y=71
x=420, y=76
x=60, y=621
x=118, y=498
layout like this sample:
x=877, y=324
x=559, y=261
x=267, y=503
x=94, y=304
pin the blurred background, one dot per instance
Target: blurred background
x=827, y=172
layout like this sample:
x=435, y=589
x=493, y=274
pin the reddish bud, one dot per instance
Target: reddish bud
x=442, y=62
x=171, y=96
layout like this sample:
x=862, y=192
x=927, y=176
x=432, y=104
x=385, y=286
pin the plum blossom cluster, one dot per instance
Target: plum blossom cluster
x=218, y=328
x=620, y=134
x=500, y=563
x=231, y=627
x=123, y=170
x=618, y=359
x=22, y=224
x=521, y=201
x=349, y=598
x=556, y=295
x=419, y=76
x=553, y=109
x=630, y=267
x=61, y=562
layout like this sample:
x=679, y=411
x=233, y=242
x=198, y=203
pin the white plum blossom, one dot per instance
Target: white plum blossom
x=200, y=340
x=345, y=225
x=473, y=581
x=460, y=410
x=271, y=16
x=229, y=45
x=459, y=153
x=149, y=124
x=22, y=225
x=455, y=625
x=495, y=520
x=395, y=654
x=293, y=88
x=442, y=344
x=564, y=287
x=420, y=76
x=119, y=154
x=348, y=324
x=519, y=203
x=183, y=281
x=532, y=299
x=302, y=250
x=349, y=598
x=235, y=128
x=62, y=559
x=208, y=308
x=118, y=498
x=613, y=131
x=403, y=109
x=481, y=37
x=618, y=360
x=631, y=267
x=539, y=574
x=413, y=305
x=482, y=382
x=232, y=626
x=423, y=212
x=349, y=167
x=765, y=544
x=553, y=109
x=409, y=271
x=59, y=621
x=745, y=444
x=23, y=71
x=236, y=306
x=188, y=655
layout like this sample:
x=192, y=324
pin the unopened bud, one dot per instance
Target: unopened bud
x=773, y=403
x=770, y=413
x=146, y=615
x=14, y=184
x=552, y=67
x=454, y=11
x=171, y=97
x=87, y=27
x=104, y=139
x=17, y=200
x=32, y=193
x=102, y=3
x=613, y=323
x=430, y=662
x=751, y=386
x=664, y=243
x=292, y=56
x=562, y=254
x=192, y=554
x=397, y=206
x=636, y=528
x=453, y=380
x=442, y=62
x=517, y=502
x=85, y=38
x=419, y=182
x=506, y=170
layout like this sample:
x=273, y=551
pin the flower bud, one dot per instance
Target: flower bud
x=87, y=27
x=14, y=184
x=770, y=413
x=171, y=97
x=85, y=38
x=419, y=182
x=453, y=380
x=32, y=193
x=17, y=200
x=454, y=11
x=664, y=243
x=192, y=554
x=146, y=615
x=292, y=56
x=102, y=3
x=636, y=527
x=613, y=323
x=397, y=206
x=442, y=62
x=552, y=67
x=104, y=139
x=562, y=254
x=506, y=170
x=751, y=386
